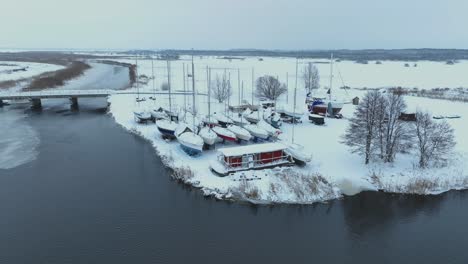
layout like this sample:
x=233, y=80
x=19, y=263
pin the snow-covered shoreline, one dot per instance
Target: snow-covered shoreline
x=332, y=172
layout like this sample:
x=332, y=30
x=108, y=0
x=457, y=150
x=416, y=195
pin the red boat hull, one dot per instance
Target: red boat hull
x=228, y=138
x=322, y=109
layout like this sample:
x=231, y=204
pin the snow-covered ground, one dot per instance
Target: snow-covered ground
x=344, y=172
x=331, y=159
x=7, y=69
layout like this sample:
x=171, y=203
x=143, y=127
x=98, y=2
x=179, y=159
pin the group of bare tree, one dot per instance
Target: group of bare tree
x=267, y=87
x=377, y=132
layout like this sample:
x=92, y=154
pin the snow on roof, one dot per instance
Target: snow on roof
x=251, y=149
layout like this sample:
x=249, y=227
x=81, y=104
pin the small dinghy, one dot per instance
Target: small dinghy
x=239, y=120
x=224, y=134
x=274, y=120
x=166, y=128
x=290, y=112
x=223, y=120
x=297, y=153
x=273, y=132
x=257, y=132
x=210, y=121
x=159, y=113
x=317, y=119
x=208, y=136
x=240, y=132
x=142, y=116
x=252, y=118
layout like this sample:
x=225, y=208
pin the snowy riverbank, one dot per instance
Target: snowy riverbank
x=333, y=171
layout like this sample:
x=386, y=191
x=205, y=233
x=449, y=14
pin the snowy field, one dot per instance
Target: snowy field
x=10, y=70
x=344, y=172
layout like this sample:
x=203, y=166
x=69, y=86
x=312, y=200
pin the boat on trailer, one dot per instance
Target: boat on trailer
x=251, y=157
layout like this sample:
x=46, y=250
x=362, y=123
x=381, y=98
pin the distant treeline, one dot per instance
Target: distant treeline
x=354, y=55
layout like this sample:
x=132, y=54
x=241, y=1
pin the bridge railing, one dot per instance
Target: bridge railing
x=48, y=93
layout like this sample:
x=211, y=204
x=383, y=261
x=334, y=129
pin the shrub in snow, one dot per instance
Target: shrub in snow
x=183, y=174
x=435, y=139
x=245, y=190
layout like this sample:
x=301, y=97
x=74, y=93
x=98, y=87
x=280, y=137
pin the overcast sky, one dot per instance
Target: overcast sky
x=225, y=24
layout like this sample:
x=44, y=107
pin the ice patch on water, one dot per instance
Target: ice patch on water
x=18, y=141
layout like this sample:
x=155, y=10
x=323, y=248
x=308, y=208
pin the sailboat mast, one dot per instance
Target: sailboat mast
x=193, y=93
x=253, y=84
x=152, y=72
x=169, y=84
x=238, y=86
x=331, y=76
x=185, y=89
x=294, y=111
x=287, y=88
x=136, y=77
x=208, y=72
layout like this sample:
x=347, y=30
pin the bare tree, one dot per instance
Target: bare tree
x=393, y=134
x=311, y=77
x=165, y=86
x=268, y=87
x=434, y=139
x=221, y=88
x=362, y=130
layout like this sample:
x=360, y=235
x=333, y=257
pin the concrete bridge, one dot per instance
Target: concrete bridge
x=36, y=96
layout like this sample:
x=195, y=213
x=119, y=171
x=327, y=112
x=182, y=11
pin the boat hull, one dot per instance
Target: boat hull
x=225, y=136
x=317, y=119
x=190, y=150
x=323, y=109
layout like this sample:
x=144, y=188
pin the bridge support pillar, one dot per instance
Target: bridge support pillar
x=36, y=103
x=74, y=102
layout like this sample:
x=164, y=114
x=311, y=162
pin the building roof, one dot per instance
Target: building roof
x=251, y=149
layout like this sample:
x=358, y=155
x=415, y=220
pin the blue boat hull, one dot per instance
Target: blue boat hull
x=166, y=132
x=190, y=151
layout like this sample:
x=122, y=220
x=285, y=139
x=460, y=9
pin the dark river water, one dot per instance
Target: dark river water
x=98, y=194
